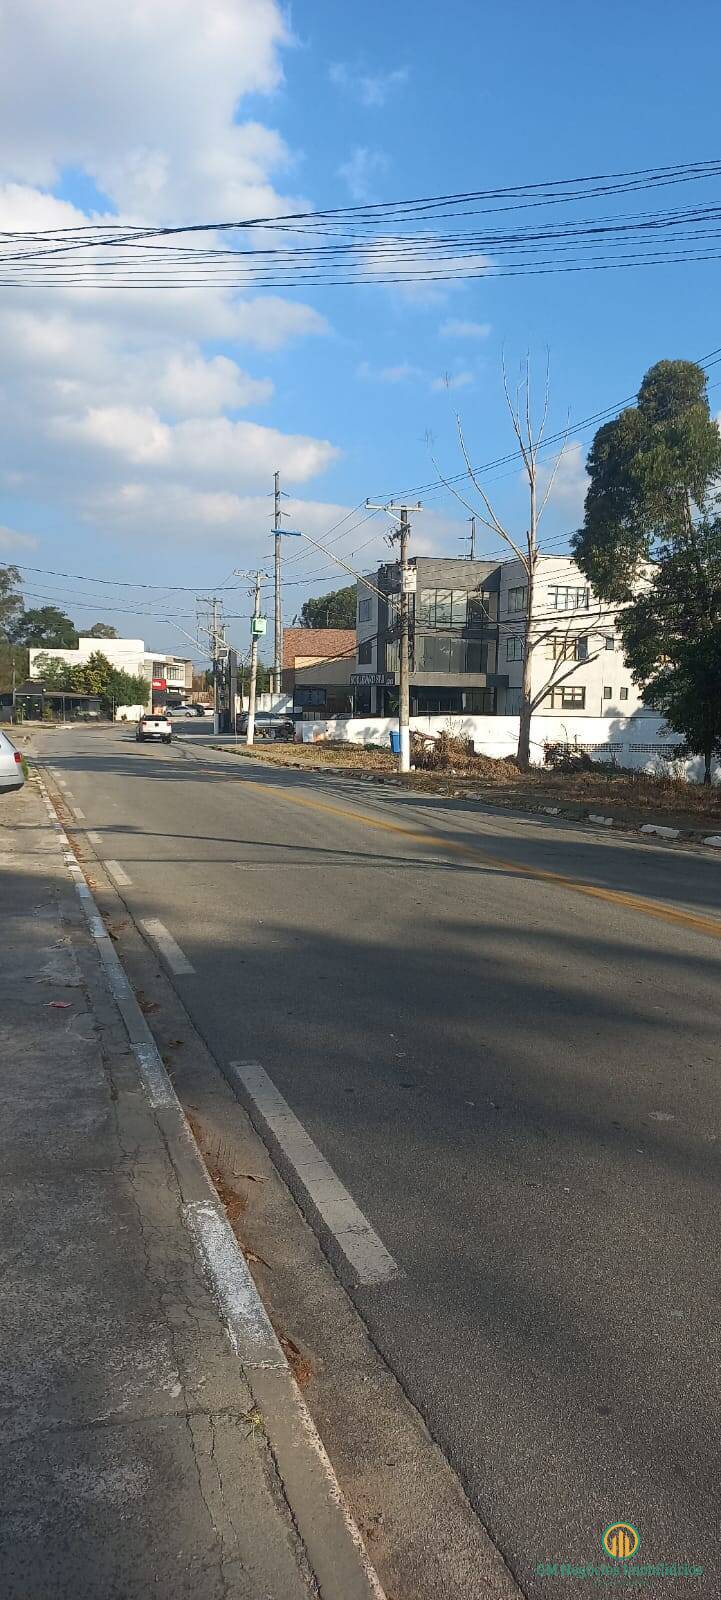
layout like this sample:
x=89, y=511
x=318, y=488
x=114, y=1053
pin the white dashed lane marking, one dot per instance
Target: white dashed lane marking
x=364, y=1251
x=177, y=961
x=118, y=873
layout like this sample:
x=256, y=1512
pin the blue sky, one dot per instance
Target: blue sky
x=140, y=431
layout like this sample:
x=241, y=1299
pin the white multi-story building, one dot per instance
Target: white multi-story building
x=577, y=663
x=174, y=673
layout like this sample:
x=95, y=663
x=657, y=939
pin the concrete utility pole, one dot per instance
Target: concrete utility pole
x=407, y=588
x=278, y=633
x=253, y=662
x=216, y=708
x=404, y=727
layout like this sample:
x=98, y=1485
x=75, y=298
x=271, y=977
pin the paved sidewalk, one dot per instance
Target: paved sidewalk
x=133, y=1458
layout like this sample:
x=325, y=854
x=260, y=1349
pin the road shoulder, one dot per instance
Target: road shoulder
x=139, y=1452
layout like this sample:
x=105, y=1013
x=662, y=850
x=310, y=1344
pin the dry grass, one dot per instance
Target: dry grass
x=629, y=797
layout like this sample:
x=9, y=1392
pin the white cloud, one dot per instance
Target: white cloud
x=360, y=169
x=393, y=374
x=11, y=541
x=113, y=398
x=456, y=328
x=371, y=89
x=233, y=454
x=452, y=380
x=143, y=98
x=570, y=482
x=433, y=272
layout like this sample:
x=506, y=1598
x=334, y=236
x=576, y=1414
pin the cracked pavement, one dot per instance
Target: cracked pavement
x=127, y=1465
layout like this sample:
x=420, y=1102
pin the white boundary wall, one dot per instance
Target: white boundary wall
x=641, y=742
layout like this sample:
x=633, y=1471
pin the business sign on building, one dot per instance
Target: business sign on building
x=379, y=680
x=160, y=683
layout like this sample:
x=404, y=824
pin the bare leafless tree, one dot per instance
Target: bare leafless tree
x=525, y=547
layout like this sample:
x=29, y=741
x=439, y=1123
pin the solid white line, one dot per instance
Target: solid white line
x=361, y=1246
x=167, y=946
x=78, y=814
x=250, y=1329
x=118, y=873
x=93, y=837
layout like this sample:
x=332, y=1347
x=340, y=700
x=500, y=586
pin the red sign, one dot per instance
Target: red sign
x=160, y=683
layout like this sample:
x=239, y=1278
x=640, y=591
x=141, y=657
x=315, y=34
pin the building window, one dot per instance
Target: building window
x=607, y=692
x=444, y=608
x=514, y=647
x=482, y=607
x=569, y=697
x=623, y=694
x=610, y=642
x=561, y=647
x=566, y=597
x=512, y=702
x=365, y=653
x=443, y=653
x=158, y=669
x=517, y=599
x=365, y=609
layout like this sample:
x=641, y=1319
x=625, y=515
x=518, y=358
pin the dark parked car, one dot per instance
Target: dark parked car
x=269, y=725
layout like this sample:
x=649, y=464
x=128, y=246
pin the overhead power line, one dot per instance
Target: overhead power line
x=400, y=241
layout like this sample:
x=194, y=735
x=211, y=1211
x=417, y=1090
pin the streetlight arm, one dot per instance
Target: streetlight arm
x=295, y=533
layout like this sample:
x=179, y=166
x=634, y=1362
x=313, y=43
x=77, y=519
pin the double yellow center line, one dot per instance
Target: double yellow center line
x=709, y=926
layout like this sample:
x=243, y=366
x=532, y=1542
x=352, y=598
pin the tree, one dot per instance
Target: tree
x=651, y=472
x=686, y=689
x=96, y=676
x=47, y=626
x=11, y=600
x=337, y=609
x=101, y=630
x=651, y=540
x=537, y=631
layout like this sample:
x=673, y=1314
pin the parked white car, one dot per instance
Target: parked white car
x=154, y=725
x=11, y=766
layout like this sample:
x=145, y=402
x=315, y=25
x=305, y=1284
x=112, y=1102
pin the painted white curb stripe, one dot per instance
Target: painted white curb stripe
x=158, y=1087
x=250, y=1330
x=177, y=961
x=360, y=1244
x=118, y=873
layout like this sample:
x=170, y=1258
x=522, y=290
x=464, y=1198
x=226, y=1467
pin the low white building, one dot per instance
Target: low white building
x=171, y=676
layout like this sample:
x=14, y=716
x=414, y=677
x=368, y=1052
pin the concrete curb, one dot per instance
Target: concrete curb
x=332, y=1539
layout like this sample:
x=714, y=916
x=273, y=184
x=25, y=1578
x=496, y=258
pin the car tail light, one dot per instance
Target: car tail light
x=18, y=757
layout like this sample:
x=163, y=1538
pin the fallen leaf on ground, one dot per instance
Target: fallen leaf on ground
x=60, y=1005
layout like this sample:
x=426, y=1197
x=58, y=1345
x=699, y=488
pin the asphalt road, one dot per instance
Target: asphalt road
x=503, y=1034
